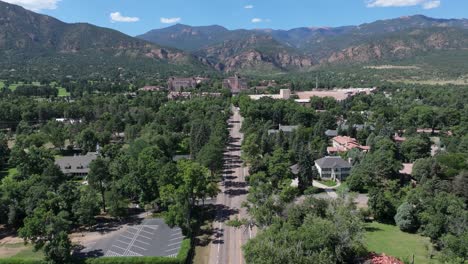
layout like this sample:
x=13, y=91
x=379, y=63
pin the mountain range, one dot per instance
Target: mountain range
x=33, y=42
x=301, y=48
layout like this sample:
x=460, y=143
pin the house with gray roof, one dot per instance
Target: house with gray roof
x=331, y=133
x=76, y=166
x=284, y=129
x=333, y=168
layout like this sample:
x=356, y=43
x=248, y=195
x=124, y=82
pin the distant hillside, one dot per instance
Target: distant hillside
x=37, y=45
x=300, y=48
x=27, y=37
x=257, y=52
x=192, y=38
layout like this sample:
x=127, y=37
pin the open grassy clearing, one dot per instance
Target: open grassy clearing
x=329, y=183
x=19, y=250
x=434, y=82
x=389, y=239
x=61, y=90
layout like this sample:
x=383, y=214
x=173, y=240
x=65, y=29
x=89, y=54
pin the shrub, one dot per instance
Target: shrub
x=405, y=218
x=313, y=190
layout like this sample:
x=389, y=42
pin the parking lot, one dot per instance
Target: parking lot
x=151, y=238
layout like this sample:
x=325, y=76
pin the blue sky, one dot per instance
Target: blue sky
x=135, y=17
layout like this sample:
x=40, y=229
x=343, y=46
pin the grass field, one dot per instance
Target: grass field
x=61, y=91
x=434, y=82
x=388, y=239
x=20, y=250
x=328, y=183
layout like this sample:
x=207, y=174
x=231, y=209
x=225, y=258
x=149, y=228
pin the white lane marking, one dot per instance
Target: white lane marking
x=147, y=232
x=132, y=254
x=139, y=247
x=172, y=249
x=111, y=253
x=139, y=241
x=154, y=227
x=126, y=237
x=175, y=238
x=133, y=241
x=118, y=240
x=172, y=256
x=173, y=244
x=119, y=247
x=129, y=233
x=140, y=235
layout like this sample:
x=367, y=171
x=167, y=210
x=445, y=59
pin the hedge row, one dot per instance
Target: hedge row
x=182, y=258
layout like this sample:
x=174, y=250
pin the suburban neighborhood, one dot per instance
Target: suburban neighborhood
x=227, y=132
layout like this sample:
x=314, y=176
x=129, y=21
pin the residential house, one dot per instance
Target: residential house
x=236, y=84
x=181, y=157
x=333, y=168
x=149, y=88
x=76, y=166
x=345, y=143
x=331, y=133
x=407, y=169
x=70, y=121
x=284, y=129
x=179, y=95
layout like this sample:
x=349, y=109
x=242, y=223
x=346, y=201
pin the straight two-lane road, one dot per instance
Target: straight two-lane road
x=226, y=246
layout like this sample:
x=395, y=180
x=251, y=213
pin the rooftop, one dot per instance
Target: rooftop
x=332, y=162
x=76, y=164
x=287, y=129
x=407, y=169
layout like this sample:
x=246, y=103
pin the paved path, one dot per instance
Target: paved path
x=227, y=242
x=329, y=190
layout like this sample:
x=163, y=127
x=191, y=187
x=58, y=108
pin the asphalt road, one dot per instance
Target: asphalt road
x=227, y=241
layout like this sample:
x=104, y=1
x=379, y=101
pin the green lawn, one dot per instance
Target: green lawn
x=12, y=171
x=62, y=92
x=388, y=239
x=20, y=251
x=329, y=183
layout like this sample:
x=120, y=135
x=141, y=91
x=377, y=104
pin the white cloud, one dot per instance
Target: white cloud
x=35, y=5
x=260, y=20
x=426, y=4
x=248, y=6
x=256, y=20
x=118, y=17
x=171, y=20
x=431, y=4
